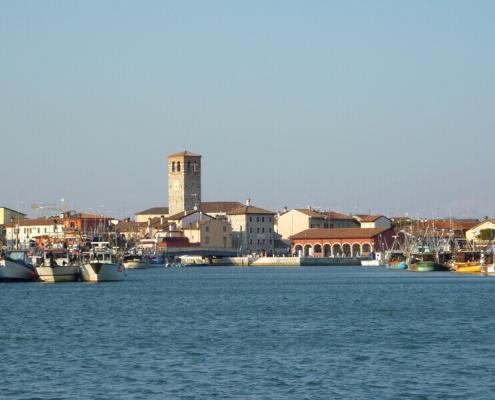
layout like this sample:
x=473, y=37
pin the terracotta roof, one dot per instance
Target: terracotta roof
x=245, y=210
x=154, y=211
x=368, y=218
x=182, y=214
x=219, y=206
x=130, y=226
x=339, y=233
x=49, y=221
x=336, y=215
x=184, y=153
x=310, y=213
x=87, y=216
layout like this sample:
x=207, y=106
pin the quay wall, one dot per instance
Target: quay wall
x=287, y=261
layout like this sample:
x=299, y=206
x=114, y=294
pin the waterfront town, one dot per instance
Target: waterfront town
x=193, y=231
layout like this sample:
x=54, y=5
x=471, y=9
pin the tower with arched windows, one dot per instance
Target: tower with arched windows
x=184, y=182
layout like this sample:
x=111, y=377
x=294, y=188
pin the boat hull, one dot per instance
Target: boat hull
x=11, y=271
x=468, y=268
x=58, y=274
x=397, y=265
x=371, y=263
x=135, y=265
x=428, y=266
x=102, y=272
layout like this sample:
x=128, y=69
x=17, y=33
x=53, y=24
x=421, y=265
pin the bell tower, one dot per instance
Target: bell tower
x=184, y=182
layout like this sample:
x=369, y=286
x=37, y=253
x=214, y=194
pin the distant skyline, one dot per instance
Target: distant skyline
x=381, y=107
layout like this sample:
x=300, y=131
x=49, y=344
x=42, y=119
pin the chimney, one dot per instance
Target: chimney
x=162, y=219
x=149, y=221
x=285, y=209
x=248, y=202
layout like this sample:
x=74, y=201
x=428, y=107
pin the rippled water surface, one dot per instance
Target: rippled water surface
x=251, y=333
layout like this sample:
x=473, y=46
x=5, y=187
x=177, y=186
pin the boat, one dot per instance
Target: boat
x=373, y=260
x=57, y=265
x=468, y=262
x=15, y=266
x=395, y=260
x=98, y=265
x=425, y=262
x=135, y=261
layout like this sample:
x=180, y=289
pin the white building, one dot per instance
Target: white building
x=21, y=233
x=373, y=221
x=252, y=229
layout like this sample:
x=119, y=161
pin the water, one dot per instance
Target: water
x=252, y=333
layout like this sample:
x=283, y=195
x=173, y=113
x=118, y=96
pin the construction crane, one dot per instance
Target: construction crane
x=40, y=207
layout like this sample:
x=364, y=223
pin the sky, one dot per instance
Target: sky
x=355, y=106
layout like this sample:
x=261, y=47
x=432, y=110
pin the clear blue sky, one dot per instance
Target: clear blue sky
x=380, y=106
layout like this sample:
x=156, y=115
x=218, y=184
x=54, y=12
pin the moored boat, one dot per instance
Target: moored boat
x=134, y=261
x=15, y=267
x=99, y=265
x=57, y=265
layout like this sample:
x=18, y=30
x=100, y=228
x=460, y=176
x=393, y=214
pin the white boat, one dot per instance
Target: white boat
x=15, y=266
x=57, y=266
x=135, y=262
x=99, y=266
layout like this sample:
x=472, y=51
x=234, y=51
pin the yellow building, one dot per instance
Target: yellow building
x=215, y=233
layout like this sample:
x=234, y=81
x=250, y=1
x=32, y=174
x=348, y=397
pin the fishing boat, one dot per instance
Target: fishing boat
x=57, y=265
x=425, y=262
x=15, y=266
x=395, y=260
x=99, y=265
x=135, y=261
x=468, y=262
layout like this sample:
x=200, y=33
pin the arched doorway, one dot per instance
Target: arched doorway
x=327, y=250
x=346, y=249
x=337, y=250
x=366, y=248
x=317, y=250
x=308, y=250
x=356, y=250
x=298, y=250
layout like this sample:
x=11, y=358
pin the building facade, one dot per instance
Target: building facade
x=341, y=242
x=184, y=182
x=252, y=230
x=215, y=233
x=300, y=219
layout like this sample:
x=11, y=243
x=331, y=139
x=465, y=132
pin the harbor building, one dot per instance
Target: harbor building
x=341, y=242
x=23, y=233
x=184, y=182
x=297, y=220
x=481, y=233
x=252, y=229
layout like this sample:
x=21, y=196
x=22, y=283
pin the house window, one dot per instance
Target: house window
x=270, y=230
x=250, y=230
x=207, y=228
x=258, y=230
x=207, y=239
x=178, y=166
x=262, y=230
x=250, y=219
x=250, y=241
x=262, y=219
x=224, y=228
x=263, y=241
x=257, y=219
